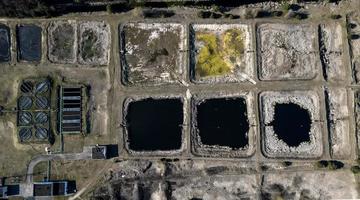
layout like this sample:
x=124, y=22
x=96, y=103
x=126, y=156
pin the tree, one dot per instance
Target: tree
x=26, y=8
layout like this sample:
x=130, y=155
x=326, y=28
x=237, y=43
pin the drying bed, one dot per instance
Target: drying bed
x=29, y=38
x=301, y=111
x=331, y=51
x=354, y=44
x=62, y=41
x=94, y=43
x=223, y=125
x=221, y=53
x=287, y=51
x=338, y=123
x=153, y=53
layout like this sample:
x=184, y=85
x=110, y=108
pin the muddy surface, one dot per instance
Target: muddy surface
x=287, y=51
x=152, y=53
x=62, y=42
x=94, y=43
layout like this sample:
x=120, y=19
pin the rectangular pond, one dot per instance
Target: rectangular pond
x=29, y=42
x=4, y=43
x=155, y=124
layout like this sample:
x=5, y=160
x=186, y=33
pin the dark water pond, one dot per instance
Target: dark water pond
x=155, y=124
x=4, y=43
x=29, y=42
x=292, y=123
x=223, y=122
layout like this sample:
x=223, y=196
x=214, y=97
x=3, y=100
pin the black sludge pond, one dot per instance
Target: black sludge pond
x=29, y=42
x=4, y=43
x=223, y=122
x=291, y=123
x=155, y=124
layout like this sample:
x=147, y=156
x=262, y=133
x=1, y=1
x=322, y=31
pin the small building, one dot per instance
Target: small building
x=3, y=192
x=7, y=191
x=99, y=152
x=53, y=188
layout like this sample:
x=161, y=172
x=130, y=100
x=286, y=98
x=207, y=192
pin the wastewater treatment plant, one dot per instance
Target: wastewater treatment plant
x=180, y=100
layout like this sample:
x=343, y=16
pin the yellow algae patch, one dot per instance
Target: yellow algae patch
x=209, y=60
x=219, y=54
x=233, y=43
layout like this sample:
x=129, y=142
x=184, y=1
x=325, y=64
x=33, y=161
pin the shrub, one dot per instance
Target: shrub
x=1, y=110
x=285, y=6
x=215, y=15
x=322, y=164
x=234, y=16
x=330, y=164
x=109, y=9
x=204, y=14
x=208, y=14
x=352, y=25
x=300, y=15
x=335, y=16
x=277, y=13
x=294, y=7
x=333, y=1
x=263, y=13
x=231, y=16
x=158, y=13
x=175, y=3
x=264, y=167
x=354, y=36
x=334, y=164
x=248, y=14
x=215, y=8
x=355, y=169
x=28, y=8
